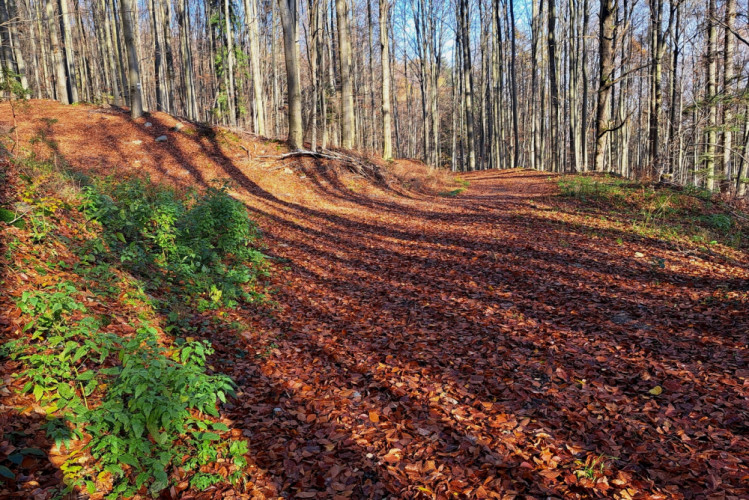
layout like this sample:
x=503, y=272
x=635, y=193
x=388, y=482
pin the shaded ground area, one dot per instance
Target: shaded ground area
x=494, y=344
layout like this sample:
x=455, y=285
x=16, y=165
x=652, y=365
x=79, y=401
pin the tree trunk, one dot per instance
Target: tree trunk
x=20, y=62
x=69, y=52
x=553, y=86
x=61, y=80
x=156, y=57
x=467, y=82
x=136, y=102
x=728, y=89
x=514, y=91
x=347, y=85
x=676, y=33
x=252, y=20
x=387, y=139
x=712, y=119
x=291, y=54
x=606, y=66
x=230, y=91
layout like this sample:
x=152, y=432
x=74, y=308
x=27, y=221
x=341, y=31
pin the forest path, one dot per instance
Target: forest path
x=488, y=344
x=476, y=346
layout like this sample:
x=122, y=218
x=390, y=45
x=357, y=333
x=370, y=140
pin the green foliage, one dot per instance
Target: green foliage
x=149, y=407
x=720, y=222
x=585, y=188
x=698, y=192
x=663, y=213
x=203, y=242
x=154, y=403
x=453, y=193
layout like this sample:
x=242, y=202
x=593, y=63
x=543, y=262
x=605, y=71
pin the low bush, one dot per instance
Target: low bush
x=144, y=407
x=203, y=242
x=132, y=408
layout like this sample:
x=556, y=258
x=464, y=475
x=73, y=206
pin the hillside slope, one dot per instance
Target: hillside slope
x=498, y=340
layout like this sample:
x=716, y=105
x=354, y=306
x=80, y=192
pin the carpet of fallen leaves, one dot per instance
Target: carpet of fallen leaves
x=497, y=344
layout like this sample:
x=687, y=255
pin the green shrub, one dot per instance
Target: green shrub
x=204, y=241
x=153, y=403
x=721, y=222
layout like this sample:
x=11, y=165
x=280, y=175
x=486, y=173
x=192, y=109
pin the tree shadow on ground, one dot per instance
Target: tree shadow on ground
x=432, y=346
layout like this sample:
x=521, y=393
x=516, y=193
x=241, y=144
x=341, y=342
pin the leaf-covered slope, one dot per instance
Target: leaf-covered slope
x=501, y=342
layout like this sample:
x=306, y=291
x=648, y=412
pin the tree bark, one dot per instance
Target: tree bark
x=387, y=139
x=291, y=53
x=712, y=118
x=252, y=20
x=69, y=52
x=347, y=86
x=61, y=80
x=467, y=82
x=606, y=67
x=136, y=102
x=728, y=89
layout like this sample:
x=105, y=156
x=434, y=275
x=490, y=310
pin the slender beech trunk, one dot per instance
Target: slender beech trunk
x=157, y=57
x=136, y=103
x=61, y=80
x=467, y=83
x=514, y=91
x=69, y=52
x=347, y=84
x=728, y=89
x=291, y=53
x=675, y=51
x=387, y=140
x=252, y=20
x=553, y=87
x=712, y=74
x=606, y=67
x=231, y=94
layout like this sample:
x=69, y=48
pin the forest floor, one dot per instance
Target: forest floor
x=494, y=340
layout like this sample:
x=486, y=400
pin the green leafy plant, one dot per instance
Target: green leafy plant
x=721, y=222
x=203, y=241
x=155, y=406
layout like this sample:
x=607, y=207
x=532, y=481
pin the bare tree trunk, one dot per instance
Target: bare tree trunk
x=536, y=117
x=514, y=91
x=606, y=67
x=467, y=82
x=387, y=139
x=20, y=62
x=189, y=96
x=136, y=102
x=553, y=86
x=347, y=85
x=728, y=89
x=314, y=15
x=231, y=94
x=69, y=52
x=712, y=119
x=252, y=19
x=61, y=80
x=656, y=100
x=156, y=57
x=291, y=53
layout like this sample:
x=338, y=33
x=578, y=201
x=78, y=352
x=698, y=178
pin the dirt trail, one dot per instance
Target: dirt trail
x=482, y=345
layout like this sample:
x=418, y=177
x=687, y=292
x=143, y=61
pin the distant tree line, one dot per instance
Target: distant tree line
x=642, y=88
